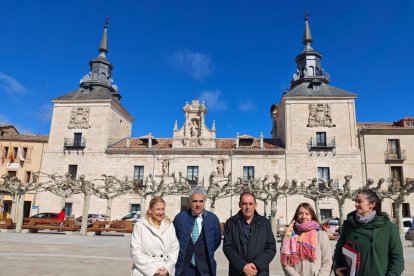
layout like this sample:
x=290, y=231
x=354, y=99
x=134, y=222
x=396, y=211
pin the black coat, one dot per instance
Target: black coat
x=261, y=247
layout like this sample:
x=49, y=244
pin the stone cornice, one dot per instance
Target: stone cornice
x=182, y=151
x=392, y=131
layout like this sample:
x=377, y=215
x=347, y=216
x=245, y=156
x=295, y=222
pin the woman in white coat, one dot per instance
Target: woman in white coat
x=154, y=245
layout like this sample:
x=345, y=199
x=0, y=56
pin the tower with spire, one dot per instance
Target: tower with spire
x=315, y=119
x=100, y=73
x=91, y=117
x=308, y=61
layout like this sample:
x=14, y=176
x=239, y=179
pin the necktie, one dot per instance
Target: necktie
x=194, y=235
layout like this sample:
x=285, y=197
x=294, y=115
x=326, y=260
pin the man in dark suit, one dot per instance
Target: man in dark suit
x=199, y=235
x=249, y=243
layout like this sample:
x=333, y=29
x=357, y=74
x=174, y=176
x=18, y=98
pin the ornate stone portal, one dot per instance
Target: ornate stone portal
x=194, y=133
x=79, y=118
x=320, y=116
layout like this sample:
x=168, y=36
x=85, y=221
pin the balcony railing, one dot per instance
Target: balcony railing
x=314, y=145
x=71, y=143
x=395, y=156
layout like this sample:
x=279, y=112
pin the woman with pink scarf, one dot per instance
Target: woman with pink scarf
x=305, y=247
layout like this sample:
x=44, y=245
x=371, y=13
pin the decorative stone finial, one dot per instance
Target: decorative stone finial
x=261, y=140
x=307, y=37
x=103, y=47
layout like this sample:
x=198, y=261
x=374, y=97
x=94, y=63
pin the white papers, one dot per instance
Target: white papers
x=352, y=259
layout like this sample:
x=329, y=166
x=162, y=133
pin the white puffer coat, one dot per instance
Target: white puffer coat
x=153, y=248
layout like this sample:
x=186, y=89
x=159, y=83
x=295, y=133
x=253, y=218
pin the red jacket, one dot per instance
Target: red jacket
x=61, y=215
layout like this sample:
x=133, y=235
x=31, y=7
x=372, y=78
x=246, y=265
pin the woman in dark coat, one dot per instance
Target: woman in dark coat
x=374, y=236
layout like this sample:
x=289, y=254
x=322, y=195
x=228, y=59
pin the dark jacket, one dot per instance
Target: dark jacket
x=261, y=246
x=377, y=241
x=184, y=223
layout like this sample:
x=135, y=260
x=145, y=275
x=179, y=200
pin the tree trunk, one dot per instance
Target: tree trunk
x=19, y=213
x=317, y=210
x=273, y=211
x=342, y=215
x=265, y=203
x=143, y=203
x=62, y=202
x=109, y=207
x=84, y=225
x=399, y=217
x=15, y=202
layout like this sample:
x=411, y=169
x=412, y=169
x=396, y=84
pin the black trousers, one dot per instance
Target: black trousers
x=191, y=271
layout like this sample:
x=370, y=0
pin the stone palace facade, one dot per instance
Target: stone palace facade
x=314, y=133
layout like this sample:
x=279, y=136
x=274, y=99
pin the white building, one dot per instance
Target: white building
x=314, y=134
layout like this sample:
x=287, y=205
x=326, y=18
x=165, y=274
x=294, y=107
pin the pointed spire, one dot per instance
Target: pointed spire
x=103, y=47
x=100, y=73
x=175, y=126
x=307, y=37
x=308, y=62
x=213, y=127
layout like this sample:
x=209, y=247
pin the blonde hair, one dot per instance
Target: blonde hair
x=153, y=201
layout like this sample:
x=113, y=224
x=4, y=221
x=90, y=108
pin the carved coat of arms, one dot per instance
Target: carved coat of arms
x=320, y=116
x=79, y=118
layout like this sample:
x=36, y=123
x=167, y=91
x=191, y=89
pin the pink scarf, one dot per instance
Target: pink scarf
x=296, y=248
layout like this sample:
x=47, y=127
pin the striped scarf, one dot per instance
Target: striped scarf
x=296, y=248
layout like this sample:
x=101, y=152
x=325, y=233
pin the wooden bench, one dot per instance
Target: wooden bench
x=121, y=226
x=7, y=223
x=36, y=224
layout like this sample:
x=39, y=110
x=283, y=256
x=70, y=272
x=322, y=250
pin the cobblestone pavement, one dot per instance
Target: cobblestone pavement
x=53, y=253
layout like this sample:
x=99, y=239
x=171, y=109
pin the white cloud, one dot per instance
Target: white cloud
x=10, y=85
x=198, y=65
x=213, y=100
x=247, y=105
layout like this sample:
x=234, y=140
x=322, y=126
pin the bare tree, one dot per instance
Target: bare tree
x=63, y=186
x=398, y=194
x=18, y=190
x=111, y=188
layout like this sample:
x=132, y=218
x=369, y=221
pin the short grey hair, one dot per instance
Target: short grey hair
x=197, y=190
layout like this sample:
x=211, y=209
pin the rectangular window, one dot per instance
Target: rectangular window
x=28, y=176
x=12, y=173
x=192, y=174
x=394, y=151
x=323, y=172
x=405, y=211
x=6, y=152
x=77, y=139
x=68, y=209
x=248, y=173
x=321, y=139
x=24, y=153
x=134, y=208
x=326, y=213
x=184, y=203
x=73, y=170
x=139, y=174
x=397, y=174
x=15, y=149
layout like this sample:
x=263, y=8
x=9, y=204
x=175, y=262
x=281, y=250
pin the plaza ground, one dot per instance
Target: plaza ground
x=55, y=253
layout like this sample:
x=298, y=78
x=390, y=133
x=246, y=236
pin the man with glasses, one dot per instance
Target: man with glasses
x=199, y=235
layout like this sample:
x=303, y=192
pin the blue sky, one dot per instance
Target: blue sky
x=237, y=56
